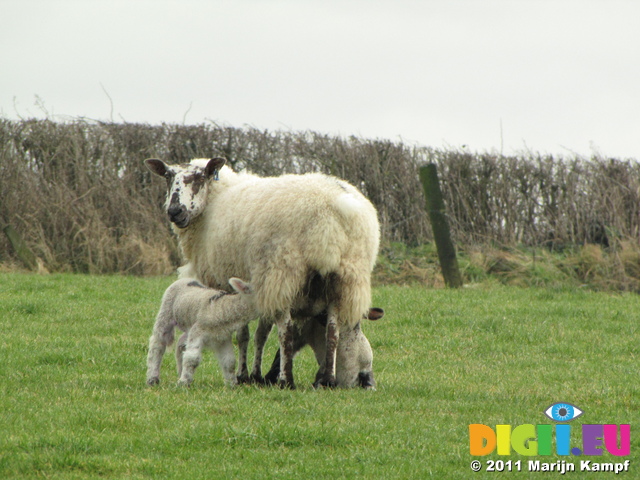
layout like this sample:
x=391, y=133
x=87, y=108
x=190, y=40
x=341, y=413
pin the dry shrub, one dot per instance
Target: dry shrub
x=613, y=268
x=590, y=262
x=402, y=265
x=587, y=264
x=629, y=253
x=143, y=258
x=509, y=267
x=502, y=263
x=538, y=200
x=82, y=199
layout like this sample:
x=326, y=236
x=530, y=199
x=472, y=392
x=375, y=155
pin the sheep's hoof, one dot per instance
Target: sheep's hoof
x=153, y=381
x=326, y=381
x=271, y=378
x=257, y=379
x=286, y=385
x=184, y=383
x=243, y=378
x=366, y=381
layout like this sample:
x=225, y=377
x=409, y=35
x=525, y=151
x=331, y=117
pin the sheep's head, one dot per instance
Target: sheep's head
x=187, y=187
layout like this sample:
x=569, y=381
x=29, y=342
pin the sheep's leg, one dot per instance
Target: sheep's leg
x=242, y=336
x=365, y=359
x=180, y=348
x=156, y=351
x=274, y=372
x=227, y=360
x=317, y=340
x=261, y=336
x=161, y=337
x=190, y=359
x=285, y=335
x=300, y=339
x=328, y=378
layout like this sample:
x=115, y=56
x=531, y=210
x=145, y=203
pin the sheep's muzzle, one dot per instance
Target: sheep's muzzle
x=178, y=215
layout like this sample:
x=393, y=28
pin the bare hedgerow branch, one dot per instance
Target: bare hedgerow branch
x=84, y=202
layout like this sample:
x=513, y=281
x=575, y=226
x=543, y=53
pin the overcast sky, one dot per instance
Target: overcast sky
x=553, y=76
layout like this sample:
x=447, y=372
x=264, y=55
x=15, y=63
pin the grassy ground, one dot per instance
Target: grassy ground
x=75, y=405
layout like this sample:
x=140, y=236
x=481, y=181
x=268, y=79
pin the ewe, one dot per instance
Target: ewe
x=208, y=317
x=280, y=232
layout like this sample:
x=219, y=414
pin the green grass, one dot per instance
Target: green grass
x=75, y=405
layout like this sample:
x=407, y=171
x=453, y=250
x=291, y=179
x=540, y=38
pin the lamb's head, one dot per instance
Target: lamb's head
x=187, y=186
x=245, y=291
x=241, y=287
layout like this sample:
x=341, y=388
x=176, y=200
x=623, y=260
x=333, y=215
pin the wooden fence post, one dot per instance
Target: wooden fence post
x=440, y=226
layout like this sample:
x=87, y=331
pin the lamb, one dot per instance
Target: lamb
x=354, y=357
x=208, y=317
x=279, y=232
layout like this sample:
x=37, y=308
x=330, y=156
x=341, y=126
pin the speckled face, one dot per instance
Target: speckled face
x=186, y=194
x=187, y=187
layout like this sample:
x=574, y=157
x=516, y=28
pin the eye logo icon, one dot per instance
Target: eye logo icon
x=563, y=412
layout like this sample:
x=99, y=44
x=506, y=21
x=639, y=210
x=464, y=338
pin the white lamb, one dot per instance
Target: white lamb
x=208, y=317
x=280, y=232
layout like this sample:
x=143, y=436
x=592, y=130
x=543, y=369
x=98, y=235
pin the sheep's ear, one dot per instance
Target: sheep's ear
x=214, y=166
x=375, y=314
x=240, y=286
x=156, y=166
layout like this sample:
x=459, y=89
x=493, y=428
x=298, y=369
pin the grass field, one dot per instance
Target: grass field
x=75, y=404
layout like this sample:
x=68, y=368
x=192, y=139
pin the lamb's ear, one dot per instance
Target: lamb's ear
x=214, y=165
x=375, y=314
x=156, y=166
x=240, y=286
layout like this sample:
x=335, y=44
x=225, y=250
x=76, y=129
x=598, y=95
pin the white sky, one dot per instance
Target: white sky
x=553, y=76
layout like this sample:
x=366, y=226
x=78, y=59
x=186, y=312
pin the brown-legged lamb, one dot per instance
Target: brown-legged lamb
x=354, y=357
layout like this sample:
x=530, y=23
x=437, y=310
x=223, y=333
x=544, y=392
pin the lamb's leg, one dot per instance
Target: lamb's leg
x=300, y=339
x=365, y=360
x=285, y=335
x=180, y=348
x=317, y=340
x=261, y=336
x=154, y=359
x=161, y=337
x=191, y=358
x=242, y=336
x=274, y=372
x=328, y=378
x=227, y=360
